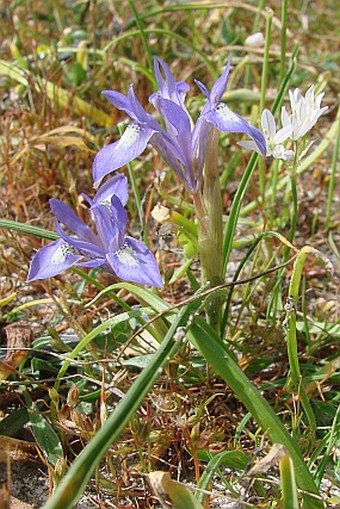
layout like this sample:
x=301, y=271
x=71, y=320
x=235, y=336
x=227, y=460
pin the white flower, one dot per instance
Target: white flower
x=305, y=111
x=273, y=139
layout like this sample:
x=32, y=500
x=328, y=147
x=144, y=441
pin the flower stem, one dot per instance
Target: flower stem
x=264, y=83
x=295, y=380
x=208, y=205
x=284, y=5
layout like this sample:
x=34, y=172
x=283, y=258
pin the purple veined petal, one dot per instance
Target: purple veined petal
x=134, y=262
x=114, y=156
x=116, y=185
x=220, y=85
x=106, y=228
x=120, y=101
x=120, y=218
x=164, y=87
x=66, y=216
x=223, y=119
x=177, y=117
x=141, y=115
x=52, y=260
x=268, y=124
x=86, y=249
x=249, y=145
x=167, y=87
x=170, y=152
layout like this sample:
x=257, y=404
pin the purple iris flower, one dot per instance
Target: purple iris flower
x=181, y=144
x=108, y=246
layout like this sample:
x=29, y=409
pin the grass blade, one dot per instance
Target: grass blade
x=214, y=351
x=74, y=483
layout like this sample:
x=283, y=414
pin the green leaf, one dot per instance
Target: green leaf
x=46, y=437
x=230, y=459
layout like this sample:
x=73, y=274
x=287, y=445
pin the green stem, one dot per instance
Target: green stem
x=264, y=83
x=331, y=184
x=284, y=9
x=296, y=381
x=209, y=211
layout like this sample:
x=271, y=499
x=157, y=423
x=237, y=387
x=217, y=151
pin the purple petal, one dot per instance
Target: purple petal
x=107, y=230
x=168, y=88
x=220, y=85
x=116, y=155
x=116, y=185
x=119, y=216
x=135, y=263
x=66, y=216
x=120, y=101
x=170, y=152
x=97, y=262
x=52, y=260
x=223, y=119
x=176, y=116
x=139, y=111
x=202, y=88
x=88, y=249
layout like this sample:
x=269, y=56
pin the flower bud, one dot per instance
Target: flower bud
x=254, y=40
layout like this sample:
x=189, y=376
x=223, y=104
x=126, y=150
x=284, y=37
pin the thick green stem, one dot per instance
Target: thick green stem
x=208, y=205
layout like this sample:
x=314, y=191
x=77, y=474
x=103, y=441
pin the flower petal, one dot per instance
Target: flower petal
x=283, y=134
x=220, y=85
x=87, y=249
x=52, y=260
x=168, y=88
x=135, y=263
x=116, y=185
x=249, y=145
x=116, y=155
x=66, y=216
x=268, y=124
x=107, y=229
x=120, y=101
x=223, y=119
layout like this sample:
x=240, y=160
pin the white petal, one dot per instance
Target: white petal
x=283, y=134
x=268, y=124
x=249, y=145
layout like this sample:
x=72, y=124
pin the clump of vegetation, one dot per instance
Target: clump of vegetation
x=180, y=324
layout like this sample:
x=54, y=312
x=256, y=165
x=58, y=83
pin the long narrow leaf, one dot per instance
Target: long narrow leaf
x=203, y=337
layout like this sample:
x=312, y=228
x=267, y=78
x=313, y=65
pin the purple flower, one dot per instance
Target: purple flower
x=180, y=144
x=217, y=114
x=108, y=246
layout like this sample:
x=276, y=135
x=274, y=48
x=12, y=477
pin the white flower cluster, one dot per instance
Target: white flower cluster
x=305, y=111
